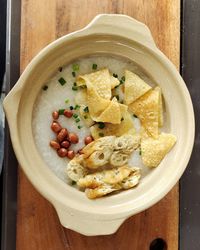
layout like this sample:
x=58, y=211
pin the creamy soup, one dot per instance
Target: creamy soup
x=57, y=95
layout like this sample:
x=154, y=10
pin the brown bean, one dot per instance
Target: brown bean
x=70, y=154
x=56, y=127
x=54, y=144
x=65, y=144
x=62, y=134
x=68, y=113
x=62, y=152
x=88, y=139
x=55, y=115
x=73, y=138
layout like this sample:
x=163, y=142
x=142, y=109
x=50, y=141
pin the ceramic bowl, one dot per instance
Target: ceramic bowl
x=108, y=34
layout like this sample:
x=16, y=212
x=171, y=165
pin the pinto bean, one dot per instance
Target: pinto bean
x=62, y=134
x=54, y=144
x=68, y=113
x=62, y=152
x=73, y=138
x=65, y=144
x=55, y=115
x=56, y=127
x=88, y=139
x=70, y=154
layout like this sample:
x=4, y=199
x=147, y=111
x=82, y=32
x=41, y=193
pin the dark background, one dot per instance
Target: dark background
x=2, y=64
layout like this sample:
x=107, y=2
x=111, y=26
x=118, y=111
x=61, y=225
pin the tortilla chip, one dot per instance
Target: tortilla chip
x=154, y=150
x=111, y=114
x=147, y=110
x=114, y=82
x=100, y=80
x=135, y=87
x=160, y=108
x=85, y=116
x=124, y=127
x=96, y=103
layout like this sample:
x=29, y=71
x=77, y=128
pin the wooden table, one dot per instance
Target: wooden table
x=37, y=223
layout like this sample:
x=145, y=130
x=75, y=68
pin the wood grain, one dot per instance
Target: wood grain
x=38, y=227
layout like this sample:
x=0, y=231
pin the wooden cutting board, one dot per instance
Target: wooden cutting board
x=38, y=227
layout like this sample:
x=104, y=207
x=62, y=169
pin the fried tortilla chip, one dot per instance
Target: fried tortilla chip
x=111, y=114
x=135, y=87
x=85, y=116
x=100, y=80
x=113, y=82
x=96, y=103
x=115, y=129
x=147, y=110
x=160, y=108
x=154, y=150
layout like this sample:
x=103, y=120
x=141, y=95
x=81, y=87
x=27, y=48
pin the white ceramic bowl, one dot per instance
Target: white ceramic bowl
x=110, y=34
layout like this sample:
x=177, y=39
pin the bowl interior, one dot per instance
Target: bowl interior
x=161, y=179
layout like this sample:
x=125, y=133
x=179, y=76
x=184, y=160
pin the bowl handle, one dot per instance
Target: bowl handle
x=122, y=25
x=86, y=225
x=11, y=105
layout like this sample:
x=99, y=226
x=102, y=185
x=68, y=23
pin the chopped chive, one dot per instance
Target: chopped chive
x=75, y=67
x=75, y=84
x=75, y=88
x=71, y=107
x=60, y=69
x=75, y=115
x=135, y=116
x=101, y=134
x=101, y=125
x=122, y=119
x=62, y=81
x=45, y=87
x=140, y=152
x=85, y=116
x=115, y=75
x=83, y=87
x=77, y=120
x=77, y=107
x=73, y=183
x=61, y=111
x=67, y=100
x=79, y=127
x=73, y=73
x=86, y=109
x=123, y=78
x=94, y=66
